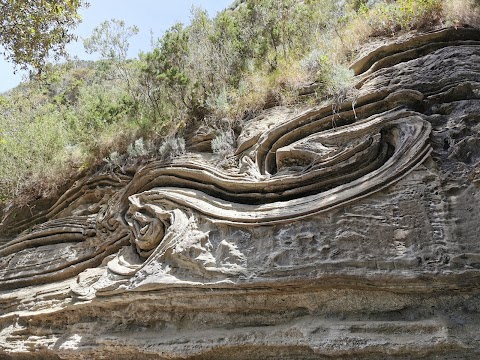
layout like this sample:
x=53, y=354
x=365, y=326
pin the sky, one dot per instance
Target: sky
x=148, y=15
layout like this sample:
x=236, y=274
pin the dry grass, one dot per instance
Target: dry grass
x=97, y=122
x=333, y=50
x=460, y=12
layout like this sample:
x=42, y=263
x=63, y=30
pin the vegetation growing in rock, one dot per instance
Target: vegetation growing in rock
x=79, y=116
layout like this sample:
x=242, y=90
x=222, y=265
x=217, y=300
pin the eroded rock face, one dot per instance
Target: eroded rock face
x=345, y=235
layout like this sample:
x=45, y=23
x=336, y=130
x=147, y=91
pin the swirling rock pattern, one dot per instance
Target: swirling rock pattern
x=351, y=234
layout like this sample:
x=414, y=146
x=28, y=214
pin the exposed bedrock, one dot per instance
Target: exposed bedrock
x=344, y=235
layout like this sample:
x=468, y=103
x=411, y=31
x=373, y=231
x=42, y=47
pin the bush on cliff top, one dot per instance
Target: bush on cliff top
x=78, y=115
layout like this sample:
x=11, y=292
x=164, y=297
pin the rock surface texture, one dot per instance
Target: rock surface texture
x=345, y=235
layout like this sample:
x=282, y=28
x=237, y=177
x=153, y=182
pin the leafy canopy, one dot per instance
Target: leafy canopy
x=32, y=30
x=111, y=40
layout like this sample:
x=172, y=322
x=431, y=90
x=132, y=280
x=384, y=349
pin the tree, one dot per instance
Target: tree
x=111, y=39
x=33, y=30
x=164, y=75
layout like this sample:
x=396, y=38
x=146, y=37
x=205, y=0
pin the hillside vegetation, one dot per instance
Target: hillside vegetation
x=79, y=117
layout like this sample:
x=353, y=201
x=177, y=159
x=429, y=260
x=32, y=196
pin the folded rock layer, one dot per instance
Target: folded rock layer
x=344, y=235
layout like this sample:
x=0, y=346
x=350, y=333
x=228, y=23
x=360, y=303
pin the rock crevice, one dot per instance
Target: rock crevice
x=344, y=235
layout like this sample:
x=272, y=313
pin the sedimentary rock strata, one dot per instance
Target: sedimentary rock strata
x=345, y=234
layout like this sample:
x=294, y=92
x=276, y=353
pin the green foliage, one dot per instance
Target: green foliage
x=59, y=122
x=390, y=18
x=117, y=112
x=45, y=29
x=111, y=40
x=197, y=71
x=163, y=78
x=31, y=147
x=223, y=143
x=171, y=147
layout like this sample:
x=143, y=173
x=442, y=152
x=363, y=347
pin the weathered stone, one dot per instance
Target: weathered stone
x=351, y=235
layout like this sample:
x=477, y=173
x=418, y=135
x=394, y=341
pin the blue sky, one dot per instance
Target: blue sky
x=155, y=15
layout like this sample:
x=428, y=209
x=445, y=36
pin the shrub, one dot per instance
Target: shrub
x=171, y=148
x=81, y=114
x=223, y=143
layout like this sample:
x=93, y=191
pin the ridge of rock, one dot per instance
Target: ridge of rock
x=351, y=234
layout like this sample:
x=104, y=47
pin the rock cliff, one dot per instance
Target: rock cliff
x=344, y=234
